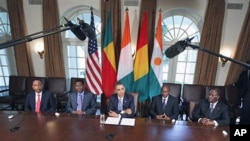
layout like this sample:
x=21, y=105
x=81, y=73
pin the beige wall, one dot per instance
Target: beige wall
x=232, y=25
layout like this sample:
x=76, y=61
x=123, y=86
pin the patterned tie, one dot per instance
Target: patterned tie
x=211, y=108
x=38, y=103
x=79, y=102
x=119, y=104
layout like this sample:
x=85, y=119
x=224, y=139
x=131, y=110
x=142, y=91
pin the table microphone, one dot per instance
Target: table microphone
x=17, y=126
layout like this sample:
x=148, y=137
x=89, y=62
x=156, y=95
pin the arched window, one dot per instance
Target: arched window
x=76, y=51
x=5, y=35
x=178, y=24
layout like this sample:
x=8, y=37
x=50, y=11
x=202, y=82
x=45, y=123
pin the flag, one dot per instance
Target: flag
x=141, y=65
x=155, y=72
x=108, y=60
x=125, y=67
x=93, y=70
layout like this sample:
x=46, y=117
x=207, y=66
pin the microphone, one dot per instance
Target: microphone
x=76, y=30
x=87, y=29
x=177, y=48
x=17, y=127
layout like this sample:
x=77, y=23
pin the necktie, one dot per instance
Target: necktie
x=163, y=104
x=211, y=107
x=79, y=102
x=38, y=103
x=119, y=104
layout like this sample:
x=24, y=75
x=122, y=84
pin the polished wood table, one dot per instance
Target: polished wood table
x=68, y=127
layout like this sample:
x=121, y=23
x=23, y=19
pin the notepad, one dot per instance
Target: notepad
x=128, y=121
x=112, y=120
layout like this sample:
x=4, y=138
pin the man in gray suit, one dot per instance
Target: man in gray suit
x=81, y=101
x=212, y=111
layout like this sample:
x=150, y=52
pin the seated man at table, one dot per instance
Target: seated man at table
x=212, y=111
x=164, y=106
x=40, y=100
x=81, y=101
x=121, y=104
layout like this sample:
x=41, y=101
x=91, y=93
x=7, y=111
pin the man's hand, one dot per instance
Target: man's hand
x=164, y=116
x=78, y=112
x=206, y=121
x=128, y=111
x=113, y=114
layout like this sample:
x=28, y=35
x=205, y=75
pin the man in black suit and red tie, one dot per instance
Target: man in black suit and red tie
x=212, y=111
x=40, y=100
x=121, y=104
x=164, y=106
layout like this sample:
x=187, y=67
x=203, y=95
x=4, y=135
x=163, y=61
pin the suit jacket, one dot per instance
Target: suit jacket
x=48, y=103
x=171, y=109
x=88, y=103
x=128, y=102
x=220, y=113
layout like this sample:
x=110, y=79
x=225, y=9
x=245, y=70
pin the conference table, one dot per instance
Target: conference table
x=29, y=126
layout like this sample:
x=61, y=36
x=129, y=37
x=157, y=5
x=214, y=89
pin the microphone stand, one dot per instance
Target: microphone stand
x=35, y=36
x=218, y=55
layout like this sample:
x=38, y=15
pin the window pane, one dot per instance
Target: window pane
x=189, y=79
x=81, y=63
x=72, y=73
x=80, y=51
x=2, y=51
x=165, y=77
x=192, y=55
x=1, y=72
x=179, y=78
x=72, y=51
x=72, y=62
x=181, y=67
x=5, y=71
x=3, y=60
x=190, y=68
x=2, y=84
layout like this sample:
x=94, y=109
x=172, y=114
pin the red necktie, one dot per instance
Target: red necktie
x=38, y=103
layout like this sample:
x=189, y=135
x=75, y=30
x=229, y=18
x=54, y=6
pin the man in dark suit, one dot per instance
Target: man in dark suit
x=121, y=104
x=40, y=100
x=243, y=85
x=81, y=101
x=164, y=106
x=212, y=111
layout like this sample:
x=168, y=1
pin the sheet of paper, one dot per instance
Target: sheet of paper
x=112, y=120
x=128, y=121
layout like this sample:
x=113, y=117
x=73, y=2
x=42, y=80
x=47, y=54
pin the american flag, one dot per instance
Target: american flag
x=93, y=70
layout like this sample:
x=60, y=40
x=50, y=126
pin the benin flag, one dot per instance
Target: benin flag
x=125, y=67
x=141, y=65
x=108, y=60
x=155, y=72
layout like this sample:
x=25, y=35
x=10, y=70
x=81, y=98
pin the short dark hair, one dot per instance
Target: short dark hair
x=79, y=80
x=217, y=90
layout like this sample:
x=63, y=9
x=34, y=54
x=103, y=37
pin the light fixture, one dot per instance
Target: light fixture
x=41, y=54
x=40, y=50
x=225, y=53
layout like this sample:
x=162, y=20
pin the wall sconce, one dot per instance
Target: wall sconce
x=224, y=60
x=41, y=54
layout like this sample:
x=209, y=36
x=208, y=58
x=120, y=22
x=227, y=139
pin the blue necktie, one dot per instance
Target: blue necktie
x=119, y=104
x=79, y=102
x=211, y=108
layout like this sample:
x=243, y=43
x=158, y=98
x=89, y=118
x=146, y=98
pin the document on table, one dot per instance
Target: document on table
x=128, y=121
x=112, y=120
